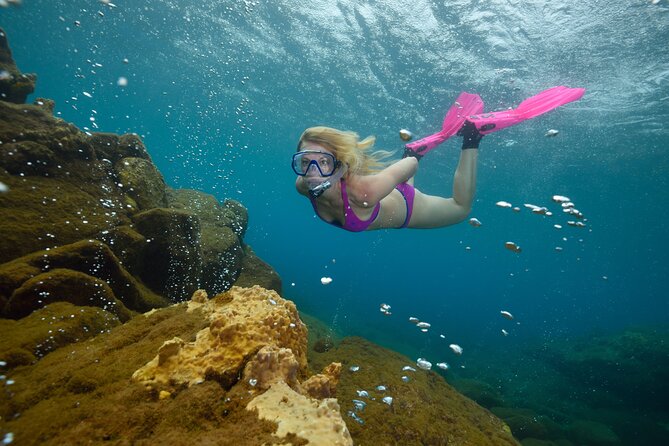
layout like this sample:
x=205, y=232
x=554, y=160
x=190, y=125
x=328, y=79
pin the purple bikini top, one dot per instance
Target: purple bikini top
x=351, y=221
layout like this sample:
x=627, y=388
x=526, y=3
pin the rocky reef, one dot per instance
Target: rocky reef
x=92, y=209
x=227, y=370
x=387, y=403
x=578, y=391
x=108, y=334
x=234, y=369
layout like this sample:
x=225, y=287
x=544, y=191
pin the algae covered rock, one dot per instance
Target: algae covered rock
x=254, y=271
x=83, y=392
x=89, y=261
x=50, y=328
x=141, y=180
x=61, y=284
x=423, y=410
x=62, y=186
x=171, y=260
x=593, y=433
x=222, y=227
x=115, y=147
x=14, y=86
x=631, y=367
x=526, y=423
x=483, y=393
x=28, y=158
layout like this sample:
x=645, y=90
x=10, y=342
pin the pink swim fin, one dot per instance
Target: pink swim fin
x=531, y=107
x=465, y=105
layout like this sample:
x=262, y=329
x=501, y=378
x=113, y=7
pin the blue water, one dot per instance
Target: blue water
x=221, y=91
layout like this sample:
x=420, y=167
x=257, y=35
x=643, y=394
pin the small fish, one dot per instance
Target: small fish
x=326, y=280
x=443, y=366
x=359, y=405
x=355, y=417
x=456, y=349
x=503, y=204
x=362, y=393
x=354, y=368
x=381, y=388
x=423, y=364
x=388, y=400
x=504, y=332
x=409, y=368
x=405, y=135
x=413, y=319
x=423, y=325
x=506, y=315
x=551, y=133
x=512, y=247
x=560, y=199
x=406, y=379
x=3, y=187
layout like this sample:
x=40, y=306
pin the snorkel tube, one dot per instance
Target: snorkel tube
x=317, y=191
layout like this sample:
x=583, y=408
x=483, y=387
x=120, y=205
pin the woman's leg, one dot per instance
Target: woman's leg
x=434, y=212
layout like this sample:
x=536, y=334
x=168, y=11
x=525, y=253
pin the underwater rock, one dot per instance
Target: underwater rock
x=27, y=158
x=127, y=244
x=256, y=272
x=424, y=410
x=47, y=104
x=222, y=227
x=270, y=365
x=141, y=180
x=630, y=367
x=61, y=186
x=237, y=215
x=171, y=262
x=90, y=257
x=593, y=433
x=222, y=256
x=116, y=147
x=318, y=422
x=526, y=423
x=231, y=214
x=483, y=393
x=322, y=345
x=323, y=385
x=67, y=285
x=14, y=86
x=22, y=342
x=242, y=321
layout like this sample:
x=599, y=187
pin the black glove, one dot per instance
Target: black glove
x=470, y=136
x=409, y=152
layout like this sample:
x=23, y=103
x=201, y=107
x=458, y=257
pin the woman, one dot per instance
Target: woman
x=348, y=187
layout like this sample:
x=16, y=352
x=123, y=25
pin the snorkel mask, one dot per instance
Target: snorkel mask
x=328, y=167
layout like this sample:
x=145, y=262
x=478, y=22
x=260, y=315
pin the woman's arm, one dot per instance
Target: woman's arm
x=373, y=188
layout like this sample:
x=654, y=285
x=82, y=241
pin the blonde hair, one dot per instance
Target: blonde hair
x=347, y=148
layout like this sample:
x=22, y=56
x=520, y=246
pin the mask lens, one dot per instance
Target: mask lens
x=324, y=162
